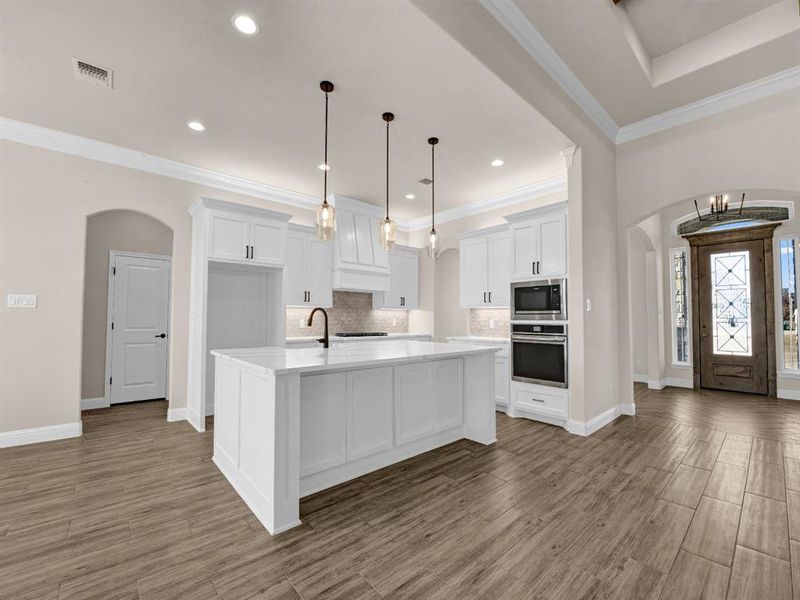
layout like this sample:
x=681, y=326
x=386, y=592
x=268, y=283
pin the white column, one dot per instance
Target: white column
x=479, y=409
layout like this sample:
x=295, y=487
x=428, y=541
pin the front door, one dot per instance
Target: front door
x=733, y=317
x=139, y=315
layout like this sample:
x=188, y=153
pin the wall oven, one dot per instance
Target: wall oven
x=541, y=300
x=539, y=354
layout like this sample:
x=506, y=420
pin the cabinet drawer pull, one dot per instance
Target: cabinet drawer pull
x=537, y=400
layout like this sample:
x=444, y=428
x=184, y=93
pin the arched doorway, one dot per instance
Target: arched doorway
x=127, y=276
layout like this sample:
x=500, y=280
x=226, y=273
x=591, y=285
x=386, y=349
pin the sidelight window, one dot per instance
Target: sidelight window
x=788, y=271
x=680, y=310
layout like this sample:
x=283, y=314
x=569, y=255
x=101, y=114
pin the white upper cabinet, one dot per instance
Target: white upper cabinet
x=403, y=280
x=307, y=278
x=484, y=269
x=360, y=264
x=246, y=235
x=539, y=243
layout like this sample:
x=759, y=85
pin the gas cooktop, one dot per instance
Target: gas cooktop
x=361, y=334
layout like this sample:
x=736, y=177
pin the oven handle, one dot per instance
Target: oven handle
x=533, y=339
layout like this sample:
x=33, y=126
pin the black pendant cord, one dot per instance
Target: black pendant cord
x=433, y=141
x=387, y=170
x=325, y=169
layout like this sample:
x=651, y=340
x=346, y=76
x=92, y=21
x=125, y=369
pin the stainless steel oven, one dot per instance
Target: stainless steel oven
x=544, y=299
x=539, y=354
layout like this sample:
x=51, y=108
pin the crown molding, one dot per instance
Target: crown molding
x=517, y=24
x=749, y=92
x=67, y=143
x=515, y=196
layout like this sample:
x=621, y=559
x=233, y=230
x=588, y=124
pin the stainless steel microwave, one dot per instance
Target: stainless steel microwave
x=540, y=300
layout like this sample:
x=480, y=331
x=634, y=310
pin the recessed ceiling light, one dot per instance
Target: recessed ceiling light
x=324, y=167
x=497, y=162
x=245, y=24
x=196, y=126
x=410, y=196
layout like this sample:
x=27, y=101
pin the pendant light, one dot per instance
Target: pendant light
x=434, y=239
x=325, y=214
x=387, y=229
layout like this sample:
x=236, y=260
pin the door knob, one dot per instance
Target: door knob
x=162, y=336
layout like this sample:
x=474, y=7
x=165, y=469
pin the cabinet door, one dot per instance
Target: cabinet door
x=323, y=427
x=522, y=250
x=499, y=269
x=410, y=280
x=369, y=412
x=319, y=272
x=413, y=406
x=364, y=235
x=268, y=241
x=294, y=276
x=551, y=245
x=502, y=379
x=473, y=269
x=228, y=238
x=449, y=394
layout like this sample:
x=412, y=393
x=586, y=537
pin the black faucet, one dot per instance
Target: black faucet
x=324, y=339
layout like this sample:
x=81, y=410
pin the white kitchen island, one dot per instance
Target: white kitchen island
x=291, y=422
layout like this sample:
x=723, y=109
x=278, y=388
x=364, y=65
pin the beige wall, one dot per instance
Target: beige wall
x=638, y=303
x=112, y=230
x=45, y=199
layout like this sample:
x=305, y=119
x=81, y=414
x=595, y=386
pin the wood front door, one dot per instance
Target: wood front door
x=733, y=317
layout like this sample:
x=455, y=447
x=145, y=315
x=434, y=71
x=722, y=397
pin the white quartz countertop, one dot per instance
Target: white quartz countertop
x=366, y=338
x=276, y=361
x=480, y=339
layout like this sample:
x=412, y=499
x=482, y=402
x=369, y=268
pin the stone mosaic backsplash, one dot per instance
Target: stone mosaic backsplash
x=481, y=321
x=351, y=311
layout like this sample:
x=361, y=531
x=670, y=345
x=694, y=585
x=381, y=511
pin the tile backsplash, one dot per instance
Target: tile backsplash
x=351, y=311
x=481, y=320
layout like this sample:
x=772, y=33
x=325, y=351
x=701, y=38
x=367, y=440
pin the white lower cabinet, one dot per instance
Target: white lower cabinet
x=549, y=403
x=348, y=416
x=369, y=412
x=323, y=426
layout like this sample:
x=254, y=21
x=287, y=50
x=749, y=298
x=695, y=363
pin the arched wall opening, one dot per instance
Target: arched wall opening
x=112, y=230
x=656, y=236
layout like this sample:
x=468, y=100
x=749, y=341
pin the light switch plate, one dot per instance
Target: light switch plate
x=21, y=301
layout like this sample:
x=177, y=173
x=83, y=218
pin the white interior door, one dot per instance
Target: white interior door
x=140, y=322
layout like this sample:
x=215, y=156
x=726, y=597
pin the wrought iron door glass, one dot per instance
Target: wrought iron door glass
x=730, y=303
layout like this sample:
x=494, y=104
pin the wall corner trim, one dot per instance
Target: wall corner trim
x=176, y=414
x=35, y=435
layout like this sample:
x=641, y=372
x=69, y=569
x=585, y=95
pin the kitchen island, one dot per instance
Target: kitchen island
x=291, y=422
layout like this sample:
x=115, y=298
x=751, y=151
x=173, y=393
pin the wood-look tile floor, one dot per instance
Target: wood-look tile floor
x=698, y=496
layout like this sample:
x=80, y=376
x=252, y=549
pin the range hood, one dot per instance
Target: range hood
x=360, y=263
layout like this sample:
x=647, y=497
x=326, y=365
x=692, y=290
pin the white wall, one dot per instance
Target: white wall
x=113, y=230
x=45, y=199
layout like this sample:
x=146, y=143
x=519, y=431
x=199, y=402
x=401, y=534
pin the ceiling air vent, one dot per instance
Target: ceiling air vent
x=92, y=73
x=425, y=181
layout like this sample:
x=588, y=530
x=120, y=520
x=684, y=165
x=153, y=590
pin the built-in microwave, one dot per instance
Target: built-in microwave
x=540, y=300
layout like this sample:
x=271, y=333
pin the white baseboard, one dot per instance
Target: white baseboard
x=788, y=394
x=656, y=384
x=40, y=434
x=678, y=382
x=601, y=420
x=92, y=403
x=176, y=414
x=640, y=378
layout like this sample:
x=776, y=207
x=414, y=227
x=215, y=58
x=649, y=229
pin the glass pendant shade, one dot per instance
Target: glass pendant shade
x=434, y=245
x=387, y=233
x=325, y=221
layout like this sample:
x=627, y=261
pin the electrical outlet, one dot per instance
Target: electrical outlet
x=21, y=301
x=394, y=321
x=588, y=305
x=491, y=323
x=301, y=323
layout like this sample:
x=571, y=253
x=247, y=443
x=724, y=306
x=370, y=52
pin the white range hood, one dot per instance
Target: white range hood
x=360, y=263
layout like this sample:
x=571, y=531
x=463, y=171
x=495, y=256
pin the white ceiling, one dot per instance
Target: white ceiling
x=645, y=57
x=260, y=100
x=664, y=26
